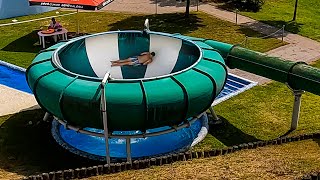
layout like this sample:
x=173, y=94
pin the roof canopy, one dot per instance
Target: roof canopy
x=75, y=4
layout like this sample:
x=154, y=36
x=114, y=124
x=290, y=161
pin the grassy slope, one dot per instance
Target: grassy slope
x=280, y=12
x=273, y=162
x=19, y=43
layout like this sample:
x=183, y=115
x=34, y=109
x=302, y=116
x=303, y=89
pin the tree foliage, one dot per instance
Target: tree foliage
x=247, y=5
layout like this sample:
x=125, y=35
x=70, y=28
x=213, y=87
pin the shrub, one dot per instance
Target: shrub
x=248, y=5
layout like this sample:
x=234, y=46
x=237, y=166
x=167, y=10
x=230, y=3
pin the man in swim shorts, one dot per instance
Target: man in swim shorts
x=143, y=59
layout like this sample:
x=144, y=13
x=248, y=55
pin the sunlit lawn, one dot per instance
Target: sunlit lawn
x=280, y=12
x=19, y=43
x=261, y=113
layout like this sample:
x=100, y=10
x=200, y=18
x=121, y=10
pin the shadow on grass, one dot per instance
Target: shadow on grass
x=237, y=6
x=30, y=149
x=170, y=23
x=227, y=5
x=28, y=43
x=229, y=135
x=317, y=140
x=176, y=3
x=290, y=26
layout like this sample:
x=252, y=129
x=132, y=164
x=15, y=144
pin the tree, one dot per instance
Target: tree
x=295, y=11
x=187, y=8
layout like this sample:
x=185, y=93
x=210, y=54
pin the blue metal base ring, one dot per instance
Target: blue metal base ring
x=93, y=147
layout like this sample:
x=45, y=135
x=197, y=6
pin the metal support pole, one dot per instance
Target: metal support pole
x=128, y=144
x=214, y=119
x=236, y=16
x=104, y=115
x=78, y=28
x=296, y=108
x=295, y=11
x=46, y=116
x=197, y=5
x=156, y=6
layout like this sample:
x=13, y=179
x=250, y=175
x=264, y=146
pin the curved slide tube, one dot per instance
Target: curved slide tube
x=298, y=75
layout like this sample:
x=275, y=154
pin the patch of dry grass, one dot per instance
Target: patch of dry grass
x=272, y=162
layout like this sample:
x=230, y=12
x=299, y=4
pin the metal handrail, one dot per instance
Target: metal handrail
x=143, y=135
x=245, y=41
x=104, y=114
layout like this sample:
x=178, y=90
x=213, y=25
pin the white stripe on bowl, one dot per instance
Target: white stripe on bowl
x=167, y=51
x=100, y=51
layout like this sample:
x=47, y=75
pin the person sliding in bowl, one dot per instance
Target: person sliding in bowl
x=143, y=59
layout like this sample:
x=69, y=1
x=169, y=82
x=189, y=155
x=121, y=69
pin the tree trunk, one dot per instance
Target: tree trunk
x=295, y=11
x=187, y=8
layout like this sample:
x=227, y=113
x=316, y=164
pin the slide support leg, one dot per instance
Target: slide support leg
x=213, y=118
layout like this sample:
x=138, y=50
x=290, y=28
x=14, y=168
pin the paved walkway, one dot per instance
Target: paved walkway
x=149, y=6
x=298, y=49
x=13, y=101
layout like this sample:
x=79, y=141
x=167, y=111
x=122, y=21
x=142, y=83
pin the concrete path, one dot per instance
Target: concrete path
x=298, y=49
x=13, y=101
x=149, y=6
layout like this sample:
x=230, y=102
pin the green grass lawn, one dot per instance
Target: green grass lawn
x=19, y=43
x=280, y=12
x=261, y=113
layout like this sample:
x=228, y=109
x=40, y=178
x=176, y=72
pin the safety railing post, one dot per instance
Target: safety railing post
x=283, y=32
x=237, y=16
x=246, y=41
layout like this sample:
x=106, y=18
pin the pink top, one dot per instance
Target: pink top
x=57, y=25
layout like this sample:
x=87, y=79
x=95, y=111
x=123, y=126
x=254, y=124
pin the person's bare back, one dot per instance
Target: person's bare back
x=143, y=59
